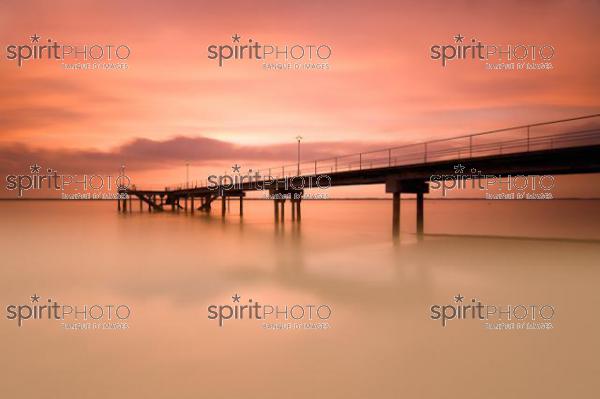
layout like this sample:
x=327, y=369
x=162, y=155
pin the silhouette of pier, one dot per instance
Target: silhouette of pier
x=567, y=146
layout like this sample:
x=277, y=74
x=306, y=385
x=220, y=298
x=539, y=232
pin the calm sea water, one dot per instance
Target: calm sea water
x=381, y=343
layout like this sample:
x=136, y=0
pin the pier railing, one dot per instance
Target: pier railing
x=573, y=132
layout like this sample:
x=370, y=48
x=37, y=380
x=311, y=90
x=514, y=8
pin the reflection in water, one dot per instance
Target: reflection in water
x=169, y=267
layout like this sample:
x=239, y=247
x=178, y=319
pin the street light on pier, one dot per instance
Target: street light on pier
x=121, y=177
x=298, y=138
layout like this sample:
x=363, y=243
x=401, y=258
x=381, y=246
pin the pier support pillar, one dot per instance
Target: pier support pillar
x=141, y=205
x=298, y=213
x=130, y=203
x=420, y=214
x=192, y=204
x=223, y=204
x=119, y=203
x=396, y=186
x=125, y=205
x=241, y=205
x=205, y=202
x=293, y=203
x=279, y=198
x=296, y=199
x=396, y=215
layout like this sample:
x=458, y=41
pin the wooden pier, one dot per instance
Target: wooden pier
x=568, y=146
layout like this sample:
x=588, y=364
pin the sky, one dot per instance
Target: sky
x=174, y=105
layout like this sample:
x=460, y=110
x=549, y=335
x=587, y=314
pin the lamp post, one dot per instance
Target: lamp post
x=298, y=138
x=122, y=177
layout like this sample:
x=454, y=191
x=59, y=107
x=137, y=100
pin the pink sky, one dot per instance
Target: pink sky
x=381, y=89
